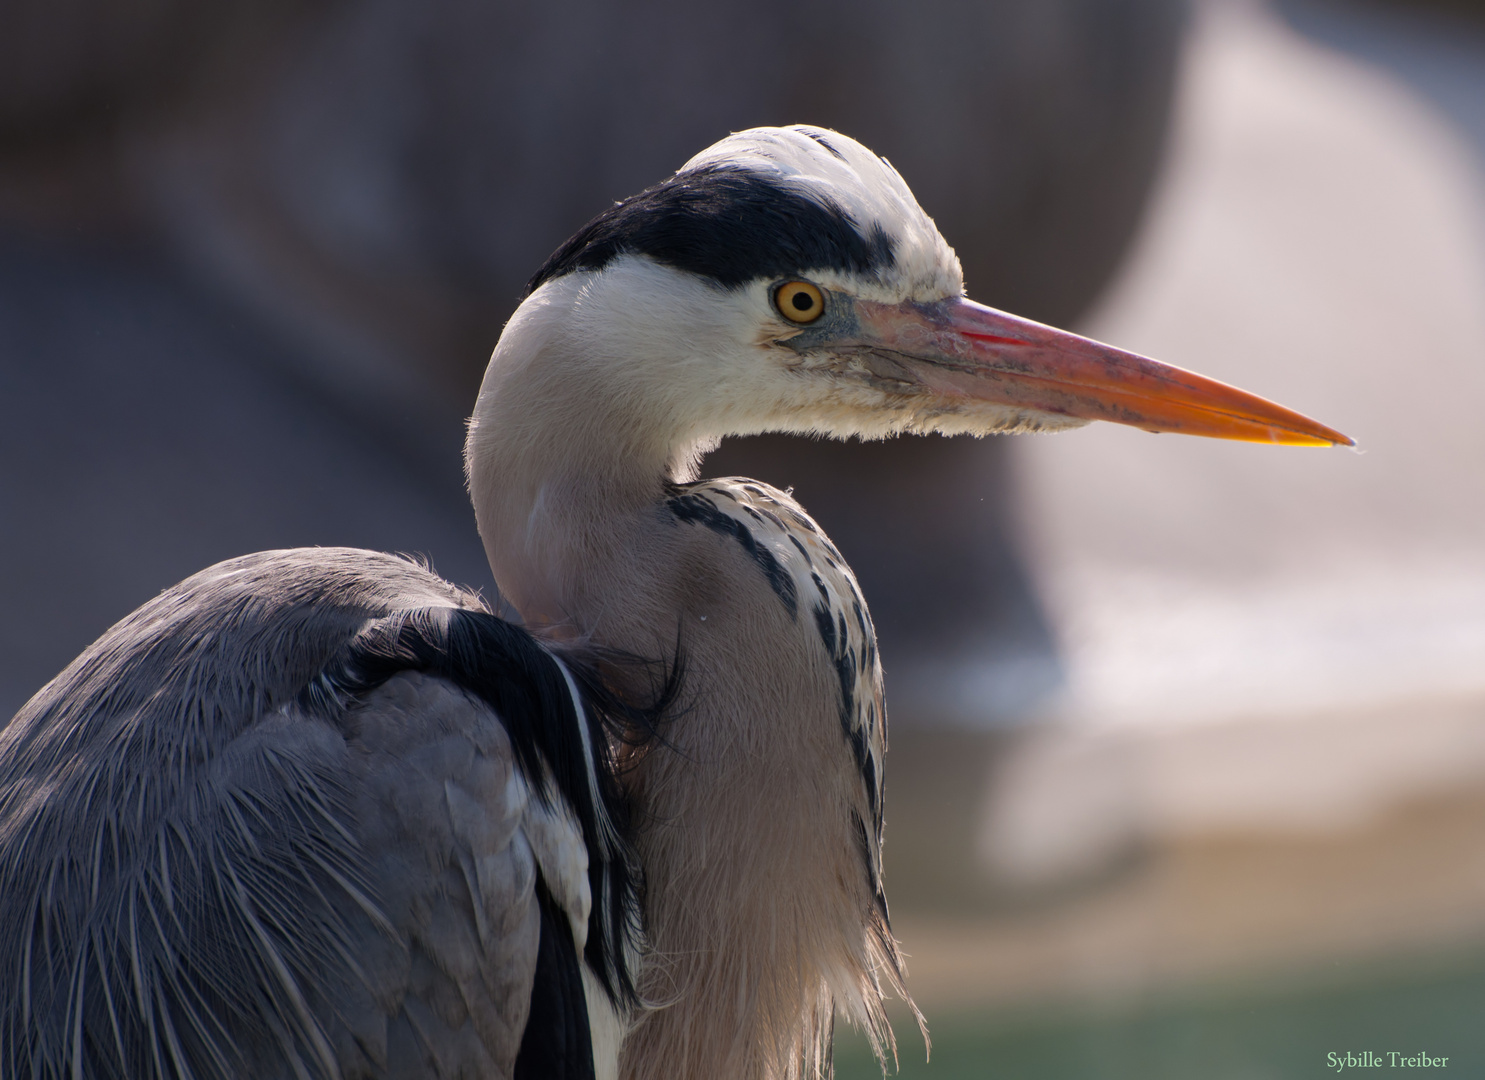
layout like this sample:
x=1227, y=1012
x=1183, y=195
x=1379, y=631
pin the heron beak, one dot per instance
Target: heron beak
x=960, y=350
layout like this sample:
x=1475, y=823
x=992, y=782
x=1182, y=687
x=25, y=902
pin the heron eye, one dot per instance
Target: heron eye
x=799, y=301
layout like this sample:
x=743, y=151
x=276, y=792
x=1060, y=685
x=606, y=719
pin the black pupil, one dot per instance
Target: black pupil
x=802, y=301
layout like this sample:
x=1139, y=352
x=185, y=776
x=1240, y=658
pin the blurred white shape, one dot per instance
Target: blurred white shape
x=1076, y=798
x=1146, y=649
x=1255, y=637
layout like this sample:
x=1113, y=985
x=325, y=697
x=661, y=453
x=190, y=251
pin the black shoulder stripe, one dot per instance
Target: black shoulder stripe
x=697, y=509
x=804, y=554
x=557, y=1043
x=729, y=224
x=838, y=647
x=504, y=666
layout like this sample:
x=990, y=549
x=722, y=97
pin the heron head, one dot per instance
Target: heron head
x=786, y=279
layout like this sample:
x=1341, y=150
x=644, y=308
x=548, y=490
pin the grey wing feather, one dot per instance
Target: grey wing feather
x=442, y=807
x=203, y=880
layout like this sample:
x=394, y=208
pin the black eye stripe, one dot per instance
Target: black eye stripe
x=731, y=225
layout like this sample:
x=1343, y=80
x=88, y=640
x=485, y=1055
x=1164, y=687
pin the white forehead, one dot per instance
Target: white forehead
x=833, y=168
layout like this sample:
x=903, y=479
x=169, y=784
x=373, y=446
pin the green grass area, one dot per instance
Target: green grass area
x=1262, y=1031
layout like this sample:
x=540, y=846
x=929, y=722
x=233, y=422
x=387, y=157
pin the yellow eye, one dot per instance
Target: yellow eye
x=799, y=301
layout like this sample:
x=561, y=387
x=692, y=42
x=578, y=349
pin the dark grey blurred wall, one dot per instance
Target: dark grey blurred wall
x=253, y=257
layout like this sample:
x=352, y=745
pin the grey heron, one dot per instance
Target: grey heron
x=320, y=813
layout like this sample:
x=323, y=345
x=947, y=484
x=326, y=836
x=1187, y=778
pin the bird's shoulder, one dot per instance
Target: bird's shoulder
x=308, y=812
x=790, y=548
x=812, y=580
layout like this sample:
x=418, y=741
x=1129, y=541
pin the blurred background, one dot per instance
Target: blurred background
x=1188, y=749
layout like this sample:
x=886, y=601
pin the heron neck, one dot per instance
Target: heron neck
x=565, y=490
